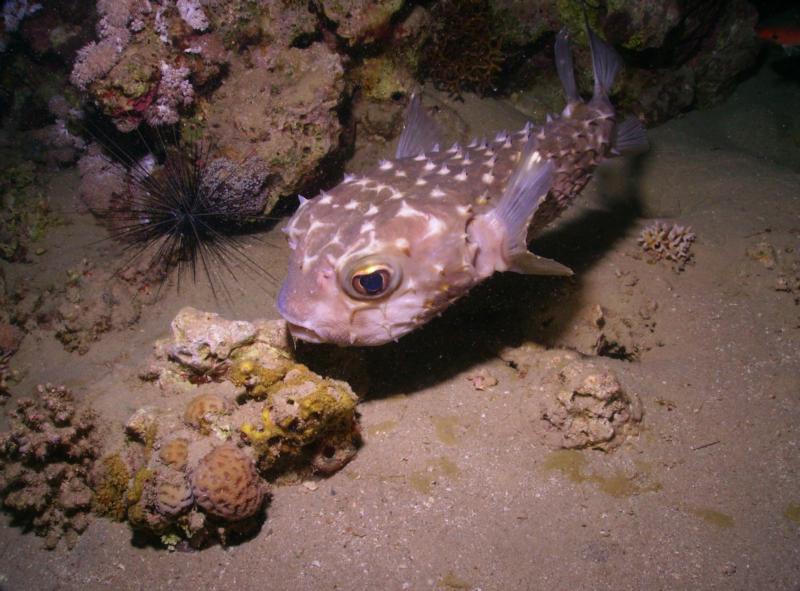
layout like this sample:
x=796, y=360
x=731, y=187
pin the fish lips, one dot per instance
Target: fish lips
x=297, y=327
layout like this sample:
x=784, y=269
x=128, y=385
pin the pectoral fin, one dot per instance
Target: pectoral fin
x=528, y=263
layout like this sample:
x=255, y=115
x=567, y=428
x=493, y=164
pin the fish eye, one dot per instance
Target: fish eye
x=370, y=279
x=373, y=283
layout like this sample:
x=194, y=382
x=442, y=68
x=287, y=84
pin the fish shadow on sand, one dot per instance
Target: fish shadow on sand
x=505, y=311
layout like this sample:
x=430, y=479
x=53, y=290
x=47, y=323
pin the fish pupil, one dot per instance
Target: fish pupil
x=372, y=283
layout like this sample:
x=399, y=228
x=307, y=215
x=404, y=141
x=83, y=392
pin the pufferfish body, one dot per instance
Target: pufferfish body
x=381, y=254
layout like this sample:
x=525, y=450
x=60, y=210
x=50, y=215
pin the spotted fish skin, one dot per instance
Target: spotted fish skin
x=380, y=255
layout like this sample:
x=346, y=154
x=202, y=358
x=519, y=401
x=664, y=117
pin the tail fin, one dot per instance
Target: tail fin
x=605, y=62
x=566, y=71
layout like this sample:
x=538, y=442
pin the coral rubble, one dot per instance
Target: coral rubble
x=46, y=458
x=589, y=408
x=241, y=413
x=96, y=301
x=580, y=403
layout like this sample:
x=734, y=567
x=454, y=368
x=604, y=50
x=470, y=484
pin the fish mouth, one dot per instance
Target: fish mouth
x=303, y=333
x=295, y=326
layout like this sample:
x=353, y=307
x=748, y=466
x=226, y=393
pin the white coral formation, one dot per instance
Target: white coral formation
x=174, y=91
x=192, y=14
x=98, y=57
x=670, y=243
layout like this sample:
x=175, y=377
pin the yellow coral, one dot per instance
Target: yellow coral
x=258, y=367
x=301, y=410
x=266, y=431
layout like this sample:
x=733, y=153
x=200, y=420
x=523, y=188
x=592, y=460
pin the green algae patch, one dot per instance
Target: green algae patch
x=574, y=465
x=446, y=429
x=451, y=581
x=133, y=497
x=110, y=496
x=713, y=517
x=792, y=512
x=435, y=470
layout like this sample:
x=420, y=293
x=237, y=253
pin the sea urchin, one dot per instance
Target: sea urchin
x=189, y=212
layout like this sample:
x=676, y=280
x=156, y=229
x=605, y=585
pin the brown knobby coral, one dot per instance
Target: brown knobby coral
x=45, y=460
x=226, y=484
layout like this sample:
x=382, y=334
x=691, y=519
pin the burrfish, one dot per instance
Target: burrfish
x=379, y=255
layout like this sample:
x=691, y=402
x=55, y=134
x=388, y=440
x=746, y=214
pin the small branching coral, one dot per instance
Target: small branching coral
x=45, y=460
x=465, y=51
x=661, y=242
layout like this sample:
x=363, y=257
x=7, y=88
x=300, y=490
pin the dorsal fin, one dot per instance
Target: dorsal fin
x=605, y=61
x=420, y=132
x=566, y=71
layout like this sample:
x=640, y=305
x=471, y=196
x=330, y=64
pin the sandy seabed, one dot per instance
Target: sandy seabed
x=455, y=487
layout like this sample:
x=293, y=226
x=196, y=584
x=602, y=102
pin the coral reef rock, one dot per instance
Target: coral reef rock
x=580, y=403
x=360, y=21
x=235, y=74
x=282, y=108
x=586, y=407
x=46, y=458
x=241, y=412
